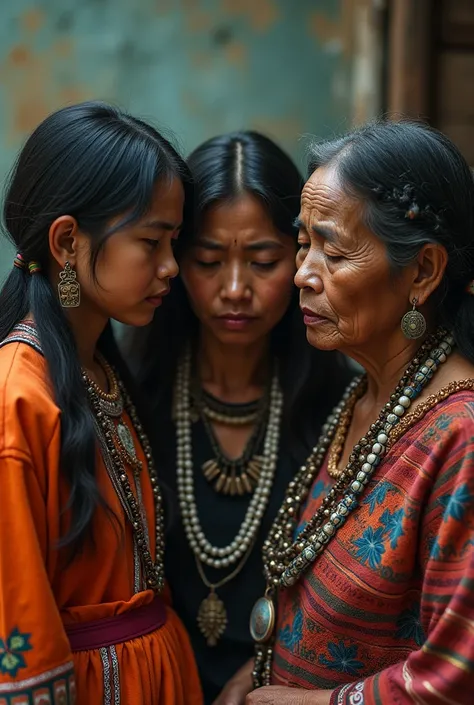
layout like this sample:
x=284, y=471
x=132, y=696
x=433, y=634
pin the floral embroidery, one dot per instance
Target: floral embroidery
x=393, y=524
x=456, y=504
x=343, y=658
x=11, y=652
x=377, y=496
x=320, y=487
x=371, y=547
x=409, y=625
x=291, y=636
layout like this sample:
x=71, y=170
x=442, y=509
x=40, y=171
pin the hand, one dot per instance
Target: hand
x=279, y=695
x=238, y=687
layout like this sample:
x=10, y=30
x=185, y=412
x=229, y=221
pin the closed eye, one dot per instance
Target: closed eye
x=206, y=265
x=265, y=265
x=333, y=258
x=151, y=242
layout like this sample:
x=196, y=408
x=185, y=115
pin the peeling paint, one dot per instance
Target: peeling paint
x=197, y=67
x=261, y=15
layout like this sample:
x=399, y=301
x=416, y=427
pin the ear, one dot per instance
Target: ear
x=431, y=265
x=64, y=237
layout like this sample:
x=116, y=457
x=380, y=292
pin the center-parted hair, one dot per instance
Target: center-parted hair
x=225, y=168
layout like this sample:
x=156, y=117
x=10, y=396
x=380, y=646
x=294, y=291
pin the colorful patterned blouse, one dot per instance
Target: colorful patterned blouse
x=386, y=615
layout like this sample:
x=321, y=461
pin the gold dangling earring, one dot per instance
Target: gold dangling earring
x=69, y=288
x=413, y=323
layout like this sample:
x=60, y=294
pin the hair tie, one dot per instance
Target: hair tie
x=20, y=262
x=34, y=267
x=470, y=288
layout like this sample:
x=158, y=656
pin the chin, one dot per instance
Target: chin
x=236, y=338
x=321, y=341
x=137, y=321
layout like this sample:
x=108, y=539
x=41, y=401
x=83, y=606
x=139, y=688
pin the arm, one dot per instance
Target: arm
x=442, y=669
x=35, y=657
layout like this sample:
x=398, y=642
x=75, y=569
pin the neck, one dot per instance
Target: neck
x=384, y=363
x=87, y=329
x=233, y=373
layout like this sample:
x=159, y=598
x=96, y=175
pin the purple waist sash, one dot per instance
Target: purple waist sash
x=100, y=633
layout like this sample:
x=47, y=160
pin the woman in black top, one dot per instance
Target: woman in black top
x=239, y=395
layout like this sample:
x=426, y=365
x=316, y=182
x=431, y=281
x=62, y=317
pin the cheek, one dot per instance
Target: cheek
x=201, y=290
x=275, y=293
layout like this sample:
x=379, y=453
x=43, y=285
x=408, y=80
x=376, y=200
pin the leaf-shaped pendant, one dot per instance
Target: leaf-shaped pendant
x=212, y=618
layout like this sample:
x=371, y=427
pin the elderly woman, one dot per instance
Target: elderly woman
x=370, y=562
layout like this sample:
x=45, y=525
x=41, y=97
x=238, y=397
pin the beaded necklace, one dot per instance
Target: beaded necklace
x=212, y=617
x=118, y=450
x=285, y=560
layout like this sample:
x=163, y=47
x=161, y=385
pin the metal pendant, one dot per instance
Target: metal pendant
x=126, y=439
x=413, y=324
x=262, y=620
x=69, y=289
x=212, y=618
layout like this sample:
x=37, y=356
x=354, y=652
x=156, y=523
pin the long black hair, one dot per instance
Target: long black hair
x=416, y=188
x=224, y=168
x=95, y=163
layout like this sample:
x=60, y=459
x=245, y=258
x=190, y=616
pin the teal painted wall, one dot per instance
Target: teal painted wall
x=196, y=67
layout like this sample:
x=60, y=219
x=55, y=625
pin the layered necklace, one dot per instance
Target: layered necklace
x=249, y=473
x=285, y=559
x=118, y=451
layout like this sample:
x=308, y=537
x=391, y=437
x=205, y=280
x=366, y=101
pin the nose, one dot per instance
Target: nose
x=308, y=274
x=235, y=283
x=168, y=267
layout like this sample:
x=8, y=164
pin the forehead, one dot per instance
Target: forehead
x=323, y=194
x=168, y=194
x=245, y=213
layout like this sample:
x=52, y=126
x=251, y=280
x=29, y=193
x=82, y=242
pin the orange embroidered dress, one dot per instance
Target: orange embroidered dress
x=43, y=597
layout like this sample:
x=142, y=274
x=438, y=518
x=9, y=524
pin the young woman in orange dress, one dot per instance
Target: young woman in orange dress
x=95, y=202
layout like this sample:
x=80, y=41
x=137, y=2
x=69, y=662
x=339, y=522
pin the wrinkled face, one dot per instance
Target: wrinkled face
x=136, y=264
x=349, y=297
x=239, y=272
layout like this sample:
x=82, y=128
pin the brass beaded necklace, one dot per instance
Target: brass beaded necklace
x=118, y=450
x=284, y=559
x=118, y=447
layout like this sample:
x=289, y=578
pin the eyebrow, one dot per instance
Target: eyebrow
x=209, y=244
x=322, y=230
x=162, y=225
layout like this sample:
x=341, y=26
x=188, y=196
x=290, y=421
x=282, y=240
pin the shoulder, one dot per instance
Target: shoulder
x=447, y=427
x=28, y=412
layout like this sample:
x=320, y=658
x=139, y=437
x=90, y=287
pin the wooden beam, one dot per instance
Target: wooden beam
x=409, y=57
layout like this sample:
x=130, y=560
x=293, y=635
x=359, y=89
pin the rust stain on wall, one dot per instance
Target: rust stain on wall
x=26, y=77
x=19, y=55
x=32, y=20
x=236, y=54
x=281, y=128
x=327, y=30
x=197, y=19
x=260, y=14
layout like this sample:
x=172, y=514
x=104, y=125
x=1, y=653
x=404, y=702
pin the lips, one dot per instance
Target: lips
x=237, y=317
x=312, y=318
x=156, y=299
x=235, y=321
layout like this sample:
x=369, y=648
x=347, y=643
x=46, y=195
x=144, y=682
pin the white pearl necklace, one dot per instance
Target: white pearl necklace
x=213, y=556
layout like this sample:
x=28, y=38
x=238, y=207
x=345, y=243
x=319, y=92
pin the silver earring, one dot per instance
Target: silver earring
x=413, y=323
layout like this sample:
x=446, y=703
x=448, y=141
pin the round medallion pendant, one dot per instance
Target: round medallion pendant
x=413, y=325
x=262, y=620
